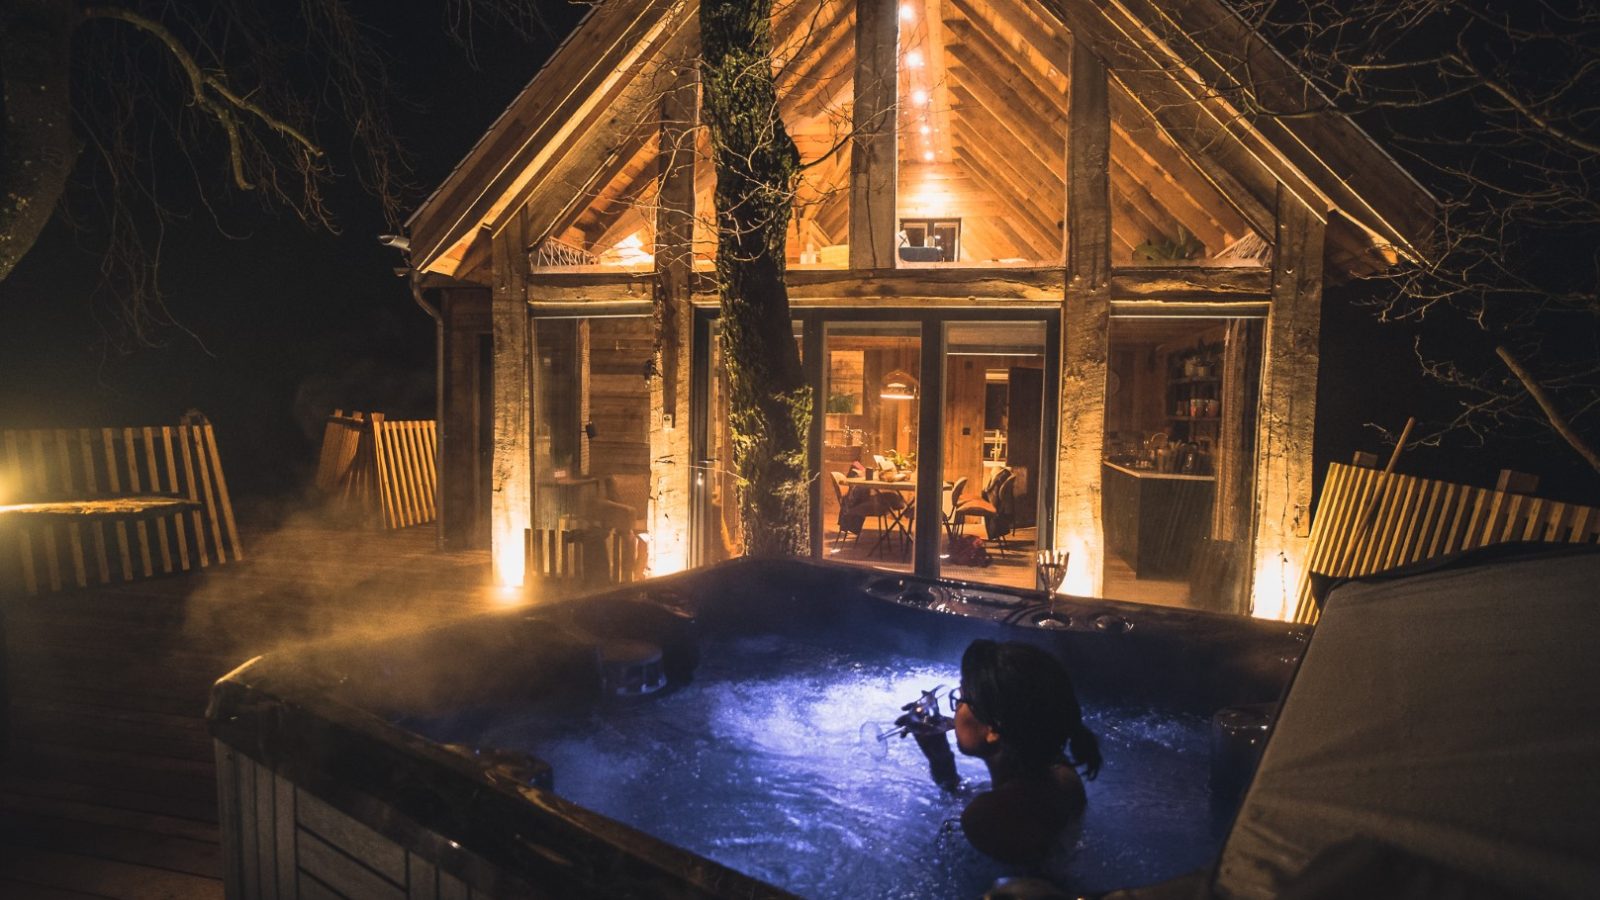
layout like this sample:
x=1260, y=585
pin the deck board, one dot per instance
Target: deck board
x=109, y=786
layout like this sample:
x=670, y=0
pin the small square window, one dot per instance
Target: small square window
x=930, y=240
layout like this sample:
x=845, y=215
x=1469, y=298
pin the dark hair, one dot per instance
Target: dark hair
x=1026, y=696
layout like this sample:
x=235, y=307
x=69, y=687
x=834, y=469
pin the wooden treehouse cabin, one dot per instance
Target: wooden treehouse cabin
x=1056, y=284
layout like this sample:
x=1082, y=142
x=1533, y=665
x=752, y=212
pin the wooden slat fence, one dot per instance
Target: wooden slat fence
x=1368, y=521
x=383, y=471
x=579, y=551
x=93, y=506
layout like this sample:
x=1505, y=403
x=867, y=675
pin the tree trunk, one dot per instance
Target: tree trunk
x=37, y=148
x=756, y=165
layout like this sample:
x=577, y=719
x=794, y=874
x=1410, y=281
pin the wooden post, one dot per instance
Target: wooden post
x=462, y=511
x=874, y=155
x=1288, y=410
x=1513, y=482
x=1086, y=320
x=670, y=462
x=512, y=482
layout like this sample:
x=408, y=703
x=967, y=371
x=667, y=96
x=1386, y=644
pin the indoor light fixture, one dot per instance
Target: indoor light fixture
x=899, y=385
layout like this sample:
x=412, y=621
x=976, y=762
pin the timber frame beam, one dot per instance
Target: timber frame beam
x=511, y=480
x=668, y=429
x=873, y=152
x=1221, y=287
x=1288, y=412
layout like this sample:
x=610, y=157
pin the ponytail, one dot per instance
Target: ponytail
x=1084, y=750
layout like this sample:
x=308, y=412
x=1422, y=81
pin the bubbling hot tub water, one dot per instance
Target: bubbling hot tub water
x=760, y=764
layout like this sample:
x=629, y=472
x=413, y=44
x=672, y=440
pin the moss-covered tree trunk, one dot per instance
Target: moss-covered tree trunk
x=756, y=164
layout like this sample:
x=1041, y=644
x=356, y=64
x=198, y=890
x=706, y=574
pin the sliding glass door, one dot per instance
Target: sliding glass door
x=933, y=445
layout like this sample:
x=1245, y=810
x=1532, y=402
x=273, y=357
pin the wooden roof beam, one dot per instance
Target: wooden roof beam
x=1132, y=185
x=1035, y=137
x=1165, y=170
x=999, y=169
x=1214, y=138
x=1055, y=53
x=1026, y=218
x=606, y=184
x=1053, y=46
x=1339, y=158
x=805, y=75
x=573, y=94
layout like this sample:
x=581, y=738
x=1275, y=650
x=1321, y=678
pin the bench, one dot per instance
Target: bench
x=82, y=507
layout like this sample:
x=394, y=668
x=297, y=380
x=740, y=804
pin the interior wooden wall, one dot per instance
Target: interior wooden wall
x=619, y=406
x=965, y=387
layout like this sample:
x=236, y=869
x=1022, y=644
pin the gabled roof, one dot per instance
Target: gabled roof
x=1190, y=65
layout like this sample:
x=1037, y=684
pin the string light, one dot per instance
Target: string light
x=914, y=59
x=919, y=97
x=924, y=130
x=906, y=12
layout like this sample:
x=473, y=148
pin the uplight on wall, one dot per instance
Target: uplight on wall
x=510, y=556
x=899, y=385
x=1274, y=592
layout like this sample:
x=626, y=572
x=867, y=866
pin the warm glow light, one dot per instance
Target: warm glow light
x=914, y=59
x=907, y=13
x=510, y=557
x=919, y=96
x=507, y=596
x=1274, y=593
x=928, y=156
x=899, y=385
x=925, y=130
x=1079, y=581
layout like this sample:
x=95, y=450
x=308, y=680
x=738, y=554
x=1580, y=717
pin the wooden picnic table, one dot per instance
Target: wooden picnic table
x=128, y=506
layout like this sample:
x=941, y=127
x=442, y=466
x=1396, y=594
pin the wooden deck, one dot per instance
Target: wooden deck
x=110, y=789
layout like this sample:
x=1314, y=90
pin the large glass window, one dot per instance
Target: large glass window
x=981, y=135
x=872, y=382
x=1181, y=399
x=590, y=449
x=993, y=412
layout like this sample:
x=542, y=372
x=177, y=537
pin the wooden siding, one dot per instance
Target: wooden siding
x=281, y=841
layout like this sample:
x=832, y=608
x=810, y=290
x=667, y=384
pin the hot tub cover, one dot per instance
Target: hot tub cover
x=1453, y=715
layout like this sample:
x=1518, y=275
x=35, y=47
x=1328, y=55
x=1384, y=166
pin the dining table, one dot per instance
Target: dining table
x=902, y=520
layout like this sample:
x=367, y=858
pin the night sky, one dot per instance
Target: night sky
x=295, y=321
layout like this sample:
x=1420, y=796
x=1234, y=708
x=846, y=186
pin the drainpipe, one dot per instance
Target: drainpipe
x=414, y=282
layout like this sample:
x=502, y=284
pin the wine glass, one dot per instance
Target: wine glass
x=1050, y=567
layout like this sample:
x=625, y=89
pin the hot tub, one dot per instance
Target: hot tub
x=712, y=734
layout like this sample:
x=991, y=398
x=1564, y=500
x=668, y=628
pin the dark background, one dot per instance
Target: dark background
x=289, y=322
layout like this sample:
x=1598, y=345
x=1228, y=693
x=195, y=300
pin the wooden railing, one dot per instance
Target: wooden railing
x=93, y=506
x=381, y=471
x=1369, y=521
x=578, y=551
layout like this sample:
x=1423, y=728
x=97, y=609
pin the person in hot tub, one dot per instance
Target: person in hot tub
x=1016, y=710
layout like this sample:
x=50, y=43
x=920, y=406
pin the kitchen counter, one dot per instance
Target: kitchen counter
x=1153, y=474
x=1155, y=520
